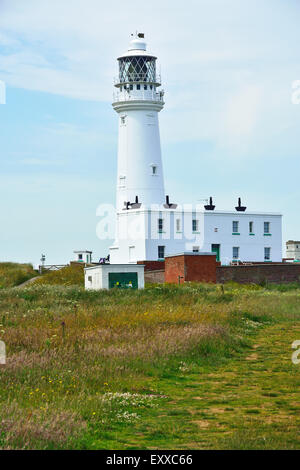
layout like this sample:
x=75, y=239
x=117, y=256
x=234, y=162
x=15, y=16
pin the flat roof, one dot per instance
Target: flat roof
x=197, y=210
x=192, y=253
x=116, y=265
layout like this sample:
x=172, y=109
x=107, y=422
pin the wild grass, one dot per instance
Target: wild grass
x=14, y=274
x=71, y=275
x=167, y=367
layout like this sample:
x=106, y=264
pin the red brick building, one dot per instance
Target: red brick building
x=199, y=267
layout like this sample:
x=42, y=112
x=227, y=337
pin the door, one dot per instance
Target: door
x=216, y=249
x=123, y=280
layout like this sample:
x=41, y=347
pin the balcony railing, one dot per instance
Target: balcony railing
x=135, y=95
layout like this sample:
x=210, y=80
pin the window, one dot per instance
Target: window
x=154, y=170
x=195, y=249
x=151, y=87
x=138, y=87
x=80, y=257
x=131, y=87
x=267, y=254
x=250, y=227
x=235, y=252
x=123, y=120
x=122, y=181
x=178, y=225
x=160, y=224
x=121, y=88
x=195, y=225
x=145, y=87
x=235, y=227
x=266, y=227
x=161, y=252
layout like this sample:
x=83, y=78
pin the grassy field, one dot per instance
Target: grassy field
x=189, y=367
x=13, y=274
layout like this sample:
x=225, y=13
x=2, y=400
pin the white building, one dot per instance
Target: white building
x=83, y=256
x=293, y=249
x=108, y=276
x=148, y=226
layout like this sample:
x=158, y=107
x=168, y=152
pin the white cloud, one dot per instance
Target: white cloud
x=214, y=56
x=240, y=118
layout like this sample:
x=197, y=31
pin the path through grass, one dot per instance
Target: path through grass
x=168, y=367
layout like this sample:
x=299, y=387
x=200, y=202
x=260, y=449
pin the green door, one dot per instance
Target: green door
x=123, y=280
x=216, y=249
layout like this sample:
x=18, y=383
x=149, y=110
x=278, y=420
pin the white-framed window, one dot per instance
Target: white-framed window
x=160, y=225
x=195, y=225
x=196, y=249
x=266, y=227
x=267, y=253
x=235, y=226
x=161, y=252
x=251, y=227
x=178, y=225
x=235, y=252
x=154, y=170
x=123, y=120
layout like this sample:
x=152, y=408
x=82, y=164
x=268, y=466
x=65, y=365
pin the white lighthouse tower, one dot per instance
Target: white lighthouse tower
x=140, y=181
x=138, y=102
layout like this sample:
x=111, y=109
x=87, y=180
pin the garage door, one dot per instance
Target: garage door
x=123, y=280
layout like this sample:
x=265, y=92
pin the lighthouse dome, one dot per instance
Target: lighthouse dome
x=137, y=43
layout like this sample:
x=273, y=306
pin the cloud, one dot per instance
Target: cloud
x=215, y=57
x=240, y=119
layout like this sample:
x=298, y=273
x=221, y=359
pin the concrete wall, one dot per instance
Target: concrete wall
x=277, y=273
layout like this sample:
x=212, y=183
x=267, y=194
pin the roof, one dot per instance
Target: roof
x=191, y=253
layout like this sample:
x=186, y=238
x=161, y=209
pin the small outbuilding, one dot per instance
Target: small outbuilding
x=83, y=256
x=107, y=276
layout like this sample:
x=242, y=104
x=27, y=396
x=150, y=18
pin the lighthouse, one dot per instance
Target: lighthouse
x=148, y=226
x=138, y=100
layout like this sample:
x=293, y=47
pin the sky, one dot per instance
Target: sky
x=230, y=126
